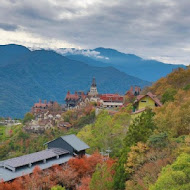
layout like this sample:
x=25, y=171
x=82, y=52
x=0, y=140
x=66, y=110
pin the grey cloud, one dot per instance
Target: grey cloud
x=156, y=28
x=8, y=27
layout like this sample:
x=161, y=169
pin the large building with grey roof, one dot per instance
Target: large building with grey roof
x=58, y=151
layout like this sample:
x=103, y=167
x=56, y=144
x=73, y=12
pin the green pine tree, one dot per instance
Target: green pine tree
x=139, y=131
x=102, y=178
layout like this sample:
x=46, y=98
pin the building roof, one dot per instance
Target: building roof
x=65, y=124
x=139, y=111
x=23, y=165
x=40, y=105
x=153, y=97
x=133, y=91
x=7, y=175
x=70, y=96
x=75, y=142
x=112, y=97
x=14, y=163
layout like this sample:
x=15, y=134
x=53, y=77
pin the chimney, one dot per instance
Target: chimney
x=68, y=92
x=40, y=101
x=131, y=89
x=45, y=101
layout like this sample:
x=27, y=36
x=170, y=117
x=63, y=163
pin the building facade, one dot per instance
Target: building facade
x=42, y=107
x=93, y=88
x=58, y=151
x=146, y=101
x=111, y=100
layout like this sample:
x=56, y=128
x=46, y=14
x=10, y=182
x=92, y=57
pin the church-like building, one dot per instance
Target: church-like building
x=80, y=98
x=103, y=100
x=93, y=89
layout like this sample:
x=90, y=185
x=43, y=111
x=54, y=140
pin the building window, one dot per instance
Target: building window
x=143, y=101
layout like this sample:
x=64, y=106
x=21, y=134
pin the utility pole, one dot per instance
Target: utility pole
x=108, y=151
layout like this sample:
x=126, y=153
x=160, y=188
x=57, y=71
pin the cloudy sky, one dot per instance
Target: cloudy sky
x=154, y=29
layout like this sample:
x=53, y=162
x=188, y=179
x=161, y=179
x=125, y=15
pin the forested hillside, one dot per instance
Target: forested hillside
x=159, y=139
x=150, y=152
x=178, y=79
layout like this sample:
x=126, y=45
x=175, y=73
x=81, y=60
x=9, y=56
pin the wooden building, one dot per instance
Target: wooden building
x=71, y=143
x=143, y=101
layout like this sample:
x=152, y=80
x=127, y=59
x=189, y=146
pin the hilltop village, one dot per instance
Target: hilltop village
x=47, y=115
x=91, y=144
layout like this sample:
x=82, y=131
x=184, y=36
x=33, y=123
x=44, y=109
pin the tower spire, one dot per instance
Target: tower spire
x=93, y=82
x=93, y=89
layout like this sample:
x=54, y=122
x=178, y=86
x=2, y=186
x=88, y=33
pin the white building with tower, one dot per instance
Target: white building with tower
x=93, y=88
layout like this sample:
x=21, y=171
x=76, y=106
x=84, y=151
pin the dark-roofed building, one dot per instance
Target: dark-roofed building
x=72, y=143
x=59, y=151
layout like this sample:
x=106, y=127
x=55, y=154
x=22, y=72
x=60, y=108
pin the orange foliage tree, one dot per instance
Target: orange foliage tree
x=76, y=174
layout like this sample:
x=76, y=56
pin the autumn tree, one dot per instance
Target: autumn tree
x=175, y=176
x=28, y=117
x=168, y=95
x=58, y=187
x=145, y=162
x=107, y=132
x=173, y=117
x=139, y=131
x=85, y=183
x=102, y=179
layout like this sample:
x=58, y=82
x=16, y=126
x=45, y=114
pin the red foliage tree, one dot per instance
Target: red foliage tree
x=76, y=174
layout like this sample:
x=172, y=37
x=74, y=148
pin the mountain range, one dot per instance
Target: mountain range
x=149, y=70
x=27, y=76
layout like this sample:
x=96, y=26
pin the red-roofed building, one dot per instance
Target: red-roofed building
x=72, y=100
x=111, y=100
x=132, y=92
x=41, y=107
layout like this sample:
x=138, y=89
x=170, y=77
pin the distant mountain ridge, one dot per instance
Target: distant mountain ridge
x=149, y=70
x=26, y=76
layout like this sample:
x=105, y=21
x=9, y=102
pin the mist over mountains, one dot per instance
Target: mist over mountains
x=149, y=70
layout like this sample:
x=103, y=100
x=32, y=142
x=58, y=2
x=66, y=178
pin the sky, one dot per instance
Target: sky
x=152, y=29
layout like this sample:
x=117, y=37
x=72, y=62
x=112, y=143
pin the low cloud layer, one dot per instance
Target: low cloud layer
x=85, y=52
x=156, y=29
